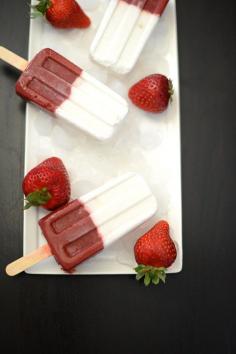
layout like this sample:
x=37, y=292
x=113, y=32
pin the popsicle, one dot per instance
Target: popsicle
x=124, y=31
x=62, y=88
x=87, y=225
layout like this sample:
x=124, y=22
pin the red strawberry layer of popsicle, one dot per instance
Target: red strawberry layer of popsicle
x=86, y=225
x=71, y=234
x=61, y=87
x=153, y=6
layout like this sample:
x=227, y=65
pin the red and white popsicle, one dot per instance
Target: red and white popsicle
x=57, y=85
x=124, y=31
x=87, y=225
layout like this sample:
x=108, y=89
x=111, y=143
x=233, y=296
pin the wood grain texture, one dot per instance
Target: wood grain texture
x=194, y=313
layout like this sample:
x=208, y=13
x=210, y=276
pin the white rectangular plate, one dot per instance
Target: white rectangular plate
x=145, y=143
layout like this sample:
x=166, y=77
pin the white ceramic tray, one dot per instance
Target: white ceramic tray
x=146, y=144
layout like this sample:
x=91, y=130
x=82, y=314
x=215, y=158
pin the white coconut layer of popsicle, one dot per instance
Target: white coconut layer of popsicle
x=93, y=107
x=120, y=206
x=123, y=32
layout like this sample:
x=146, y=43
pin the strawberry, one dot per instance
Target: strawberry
x=152, y=94
x=62, y=13
x=47, y=185
x=154, y=252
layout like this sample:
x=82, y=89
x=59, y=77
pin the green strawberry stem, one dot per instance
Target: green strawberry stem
x=37, y=198
x=41, y=8
x=150, y=274
x=171, y=90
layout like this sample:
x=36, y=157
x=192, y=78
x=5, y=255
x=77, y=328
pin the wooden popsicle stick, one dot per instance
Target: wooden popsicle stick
x=29, y=260
x=13, y=59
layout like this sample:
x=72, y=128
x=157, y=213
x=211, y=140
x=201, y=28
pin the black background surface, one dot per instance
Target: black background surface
x=194, y=313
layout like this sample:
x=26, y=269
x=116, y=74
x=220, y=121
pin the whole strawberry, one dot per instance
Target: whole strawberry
x=62, y=13
x=154, y=252
x=152, y=94
x=47, y=185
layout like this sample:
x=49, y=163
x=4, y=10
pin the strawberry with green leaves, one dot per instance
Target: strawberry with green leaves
x=47, y=185
x=154, y=252
x=62, y=13
x=152, y=94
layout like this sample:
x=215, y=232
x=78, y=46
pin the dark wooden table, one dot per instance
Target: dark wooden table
x=194, y=313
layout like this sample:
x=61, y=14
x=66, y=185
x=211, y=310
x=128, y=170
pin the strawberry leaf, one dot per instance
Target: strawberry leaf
x=162, y=276
x=41, y=8
x=37, y=198
x=156, y=280
x=139, y=276
x=27, y=206
x=139, y=268
x=147, y=279
x=150, y=274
